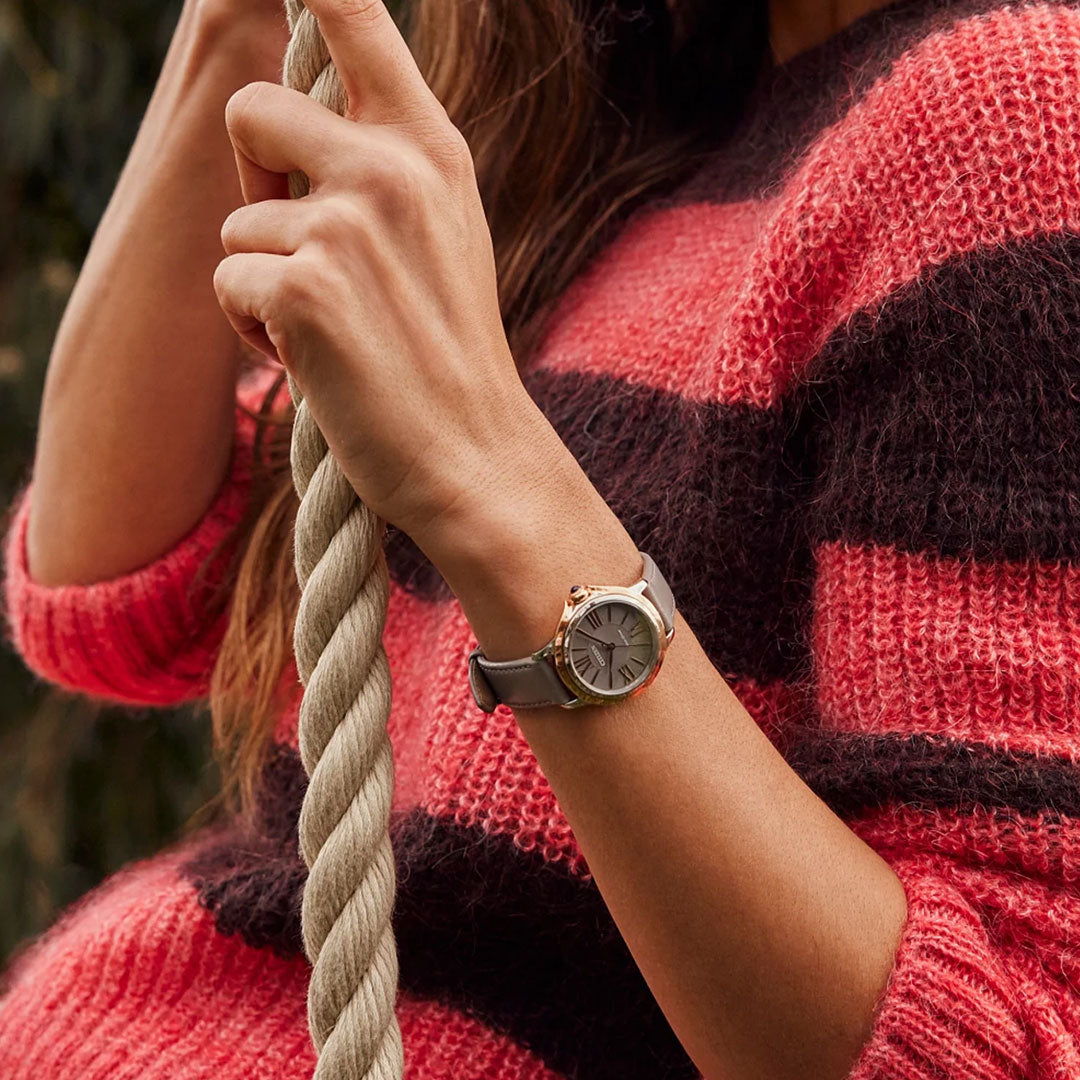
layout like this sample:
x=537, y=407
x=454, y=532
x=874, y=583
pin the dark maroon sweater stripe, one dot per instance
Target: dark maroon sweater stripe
x=947, y=422
x=855, y=772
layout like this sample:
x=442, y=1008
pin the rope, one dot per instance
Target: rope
x=344, y=745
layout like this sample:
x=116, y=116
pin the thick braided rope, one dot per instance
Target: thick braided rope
x=346, y=751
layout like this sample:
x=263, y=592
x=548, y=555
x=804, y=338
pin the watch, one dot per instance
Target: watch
x=608, y=646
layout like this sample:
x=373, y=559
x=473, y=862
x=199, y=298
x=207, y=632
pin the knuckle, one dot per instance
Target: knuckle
x=451, y=151
x=336, y=217
x=301, y=287
x=402, y=182
x=230, y=232
x=241, y=104
x=329, y=234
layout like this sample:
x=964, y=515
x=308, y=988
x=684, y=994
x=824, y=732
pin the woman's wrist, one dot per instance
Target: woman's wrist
x=511, y=549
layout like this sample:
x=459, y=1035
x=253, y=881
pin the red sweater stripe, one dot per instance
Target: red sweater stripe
x=988, y=651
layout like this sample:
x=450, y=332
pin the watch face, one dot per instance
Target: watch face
x=611, y=647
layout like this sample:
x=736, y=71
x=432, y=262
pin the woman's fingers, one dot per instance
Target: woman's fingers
x=257, y=183
x=284, y=226
x=376, y=67
x=247, y=286
x=274, y=131
x=275, y=227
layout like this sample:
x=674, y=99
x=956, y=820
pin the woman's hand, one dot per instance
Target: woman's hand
x=377, y=290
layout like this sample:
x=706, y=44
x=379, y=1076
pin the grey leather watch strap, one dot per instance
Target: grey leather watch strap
x=533, y=680
x=522, y=683
x=658, y=592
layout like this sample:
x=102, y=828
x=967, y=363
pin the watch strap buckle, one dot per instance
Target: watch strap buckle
x=482, y=691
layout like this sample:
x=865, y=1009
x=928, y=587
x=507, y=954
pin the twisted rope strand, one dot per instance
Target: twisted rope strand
x=344, y=745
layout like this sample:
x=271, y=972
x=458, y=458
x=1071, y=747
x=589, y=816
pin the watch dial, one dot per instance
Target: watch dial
x=611, y=647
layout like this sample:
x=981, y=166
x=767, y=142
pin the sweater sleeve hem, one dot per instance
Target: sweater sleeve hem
x=142, y=637
x=949, y=1008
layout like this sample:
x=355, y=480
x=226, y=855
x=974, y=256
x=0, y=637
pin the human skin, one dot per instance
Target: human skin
x=764, y=926
x=137, y=414
x=795, y=25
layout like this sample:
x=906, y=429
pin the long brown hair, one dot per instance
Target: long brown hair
x=575, y=112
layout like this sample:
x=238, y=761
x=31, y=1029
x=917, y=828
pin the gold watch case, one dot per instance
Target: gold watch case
x=581, y=600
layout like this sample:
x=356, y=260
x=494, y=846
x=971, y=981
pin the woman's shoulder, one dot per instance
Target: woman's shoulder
x=926, y=135
x=967, y=137
x=948, y=172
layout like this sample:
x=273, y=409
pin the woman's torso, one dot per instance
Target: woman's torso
x=796, y=382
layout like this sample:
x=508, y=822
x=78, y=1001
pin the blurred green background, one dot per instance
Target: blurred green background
x=83, y=788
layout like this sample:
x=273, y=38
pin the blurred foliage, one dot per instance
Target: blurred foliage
x=83, y=788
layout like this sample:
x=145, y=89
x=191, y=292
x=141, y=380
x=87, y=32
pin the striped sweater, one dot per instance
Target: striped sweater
x=831, y=384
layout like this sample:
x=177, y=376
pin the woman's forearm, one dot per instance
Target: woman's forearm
x=765, y=927
x=136, y=418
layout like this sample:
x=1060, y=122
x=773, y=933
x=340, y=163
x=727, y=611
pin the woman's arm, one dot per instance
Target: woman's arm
x=765, y=927
x=137, y=415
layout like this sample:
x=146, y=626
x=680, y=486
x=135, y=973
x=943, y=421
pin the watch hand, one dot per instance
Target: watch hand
x=591, y=638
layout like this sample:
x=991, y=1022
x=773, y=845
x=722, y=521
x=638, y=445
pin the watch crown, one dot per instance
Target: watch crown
x=575, y=590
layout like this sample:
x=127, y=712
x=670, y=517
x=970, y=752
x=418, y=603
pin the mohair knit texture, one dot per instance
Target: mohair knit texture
x=831, y=384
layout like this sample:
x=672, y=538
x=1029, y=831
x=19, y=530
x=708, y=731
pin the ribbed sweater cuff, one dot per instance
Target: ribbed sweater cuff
x=141, y=638
x=950, y=1008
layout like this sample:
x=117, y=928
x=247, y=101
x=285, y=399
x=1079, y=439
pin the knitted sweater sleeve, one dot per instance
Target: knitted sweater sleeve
x=145, y=637
x=984, y=982
x=942, y=412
